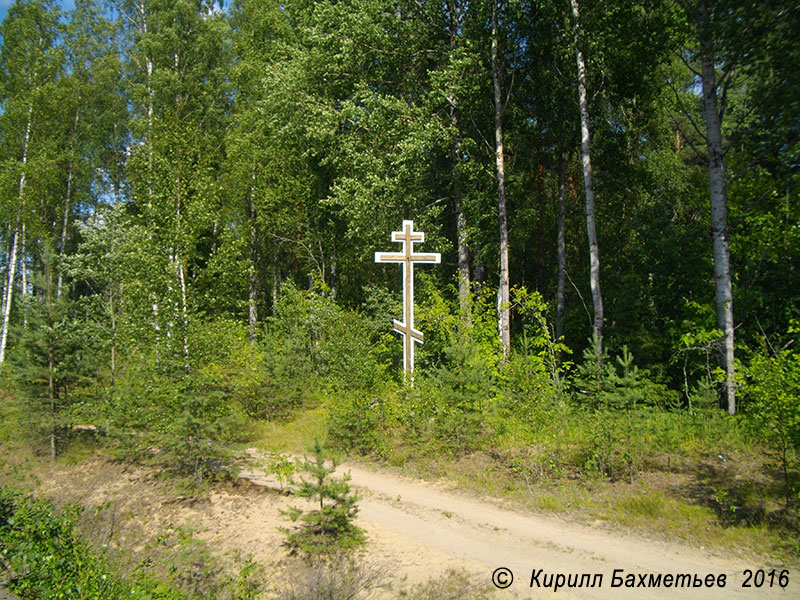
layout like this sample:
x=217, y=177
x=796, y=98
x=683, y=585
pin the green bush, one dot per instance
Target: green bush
x=53, y=359
x=314, y=344
x=773, y=393
x=356, y=422
x=525, y=379
x=50, y=561
x=229, y=363
x=464, y=386
x=177, y=421
x=600, y=383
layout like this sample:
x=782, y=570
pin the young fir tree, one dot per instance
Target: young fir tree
x=50, y=358
x=329, y=528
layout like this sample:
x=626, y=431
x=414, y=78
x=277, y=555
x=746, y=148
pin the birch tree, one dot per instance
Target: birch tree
x=503, y=287
x=30, y=62
x=178, y=62
x=721, y=41
x=588, y=182
x=91, y=109
x=718, y=192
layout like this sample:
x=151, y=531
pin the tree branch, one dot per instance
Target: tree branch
x=686, y=113
x=699, y=154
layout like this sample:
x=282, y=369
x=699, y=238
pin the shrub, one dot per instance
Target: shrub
x=336, y=578
x=356, y=421
x=49, y=560
x=229, y=363
x=465, y=385
x=178, y=422
x=452, y=585
x=52, y=360
x=282, y=466
x=600, y=383
x=773, y=391
x=313, y=342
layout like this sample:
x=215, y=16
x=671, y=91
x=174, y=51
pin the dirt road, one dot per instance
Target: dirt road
x=422, y=529
x=417, y=530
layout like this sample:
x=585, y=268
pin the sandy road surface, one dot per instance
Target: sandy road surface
x=422, y=529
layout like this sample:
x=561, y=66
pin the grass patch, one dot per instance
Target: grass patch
x=646, y=506
x=550, y=502
x=79, y=450
x=657, y=512
x=293, y=434
x=692, y=478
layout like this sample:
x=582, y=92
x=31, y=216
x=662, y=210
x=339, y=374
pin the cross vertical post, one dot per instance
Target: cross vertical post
x=407, y=257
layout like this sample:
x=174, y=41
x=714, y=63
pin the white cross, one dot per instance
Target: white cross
x=408, y=257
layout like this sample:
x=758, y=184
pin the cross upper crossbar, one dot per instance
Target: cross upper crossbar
x=407, y=257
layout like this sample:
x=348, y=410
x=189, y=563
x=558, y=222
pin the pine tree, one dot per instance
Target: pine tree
x=49, y=359
x=330, y=528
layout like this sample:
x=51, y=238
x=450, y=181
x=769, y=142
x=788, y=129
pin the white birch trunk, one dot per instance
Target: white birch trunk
x=12, y=259
x=719, y=219
x=503, y=297
x=463, y=265
x=23, y=271
x=275, y=279
x=253, y=289
x=113, y=316
x=588, y=184
x=52, y=397
x=184, y=313
x=12, y=265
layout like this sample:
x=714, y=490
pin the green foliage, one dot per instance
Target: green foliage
x=177, y=421
x=283, y=467
x=439, y=316
x=312, y=341
x=616, y=397
x=535, y=372
x=328, y=529
x=600, y=384
x=464, y=386
x=50, y=561
x=245, y=586
x=773, y=392
x=525, y=378
x=356, y=422
x=231, y=365
x=53, y=360
x=197, y=441
x=698, y=344
x=603, y=458
x=592, y=376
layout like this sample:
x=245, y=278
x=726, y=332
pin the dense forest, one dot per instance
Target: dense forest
x=192, y=195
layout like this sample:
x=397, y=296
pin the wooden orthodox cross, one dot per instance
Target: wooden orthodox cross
x=407, y=236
